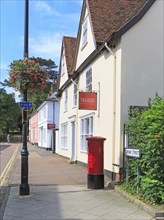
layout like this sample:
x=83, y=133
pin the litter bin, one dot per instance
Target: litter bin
x=95, y=176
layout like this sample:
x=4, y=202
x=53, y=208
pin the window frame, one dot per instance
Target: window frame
x=88, y=80
x=86, y=130
x=64, y=136
x=75, y=92
x=63, y=65
x=65, y=100
x=44, y=135
x=84, y=32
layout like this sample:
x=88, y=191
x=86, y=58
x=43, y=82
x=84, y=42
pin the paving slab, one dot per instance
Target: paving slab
x=58, y=190
x=70, y=202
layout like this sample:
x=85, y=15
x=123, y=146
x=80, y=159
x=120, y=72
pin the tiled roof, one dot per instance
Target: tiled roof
x=69, y=44
x=107, y=16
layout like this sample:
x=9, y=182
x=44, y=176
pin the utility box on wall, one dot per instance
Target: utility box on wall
x=96, y=162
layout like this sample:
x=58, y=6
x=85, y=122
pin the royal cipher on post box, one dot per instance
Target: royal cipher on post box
x=95, y=162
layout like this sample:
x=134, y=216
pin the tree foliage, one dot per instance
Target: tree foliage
x=39, y=96
x=49, y=65
x=146, y=132
x=10, y=112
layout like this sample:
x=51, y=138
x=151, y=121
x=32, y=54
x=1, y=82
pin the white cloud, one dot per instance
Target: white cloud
x=46, y=46
x=45, y=8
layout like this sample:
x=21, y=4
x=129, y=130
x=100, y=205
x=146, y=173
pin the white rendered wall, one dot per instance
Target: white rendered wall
x=48, y=113
x=66, y=117
x=142, y=59
x=63, y=77
x=103, y=84
x=84, y=52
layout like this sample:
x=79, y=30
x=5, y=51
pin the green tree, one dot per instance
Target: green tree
x=146, y=132
x=39, y=96
x=153, y=150
x=49, y=65
x=9, y=112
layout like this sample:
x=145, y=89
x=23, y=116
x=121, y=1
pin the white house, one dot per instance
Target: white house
x=118, y=56
x=48, y=123
x=68, y=108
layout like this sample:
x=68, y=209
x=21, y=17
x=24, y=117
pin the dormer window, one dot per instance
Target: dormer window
x=65, y=99
x=89, y=80
x=63, y=65
x=85, y=30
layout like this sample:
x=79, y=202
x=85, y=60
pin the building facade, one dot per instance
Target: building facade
x=33, y=128
x=118, y=57
x=48, y=123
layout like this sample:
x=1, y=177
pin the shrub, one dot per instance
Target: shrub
x=145, y=130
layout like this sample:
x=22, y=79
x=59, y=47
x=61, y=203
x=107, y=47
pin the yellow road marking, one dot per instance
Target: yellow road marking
x=8, y=166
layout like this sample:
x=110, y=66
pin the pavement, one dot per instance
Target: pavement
x=58, y=190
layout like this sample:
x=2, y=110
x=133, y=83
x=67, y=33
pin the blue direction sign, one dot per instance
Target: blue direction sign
x=25, y=105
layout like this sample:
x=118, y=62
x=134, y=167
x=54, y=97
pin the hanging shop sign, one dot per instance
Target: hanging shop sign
x=131, y=152
x=51, y=126
x=88, y=100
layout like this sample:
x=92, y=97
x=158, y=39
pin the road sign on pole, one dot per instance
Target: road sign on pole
x=132, y=152
x=25, y=104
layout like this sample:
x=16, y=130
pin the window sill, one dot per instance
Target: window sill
x=82, y=151
x=62, y=148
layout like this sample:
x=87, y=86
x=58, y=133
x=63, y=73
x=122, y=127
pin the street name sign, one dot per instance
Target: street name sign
x=25, y=104
x=132, y=152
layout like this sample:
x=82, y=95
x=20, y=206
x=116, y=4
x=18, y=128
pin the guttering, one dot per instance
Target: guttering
x=122, y=30
x=109, y=49
x=114, y=107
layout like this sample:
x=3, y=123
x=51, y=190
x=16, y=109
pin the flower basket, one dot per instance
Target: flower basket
x=28, y=75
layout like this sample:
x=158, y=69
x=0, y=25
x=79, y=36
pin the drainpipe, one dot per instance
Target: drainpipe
x=76, y=119
x=114, y=108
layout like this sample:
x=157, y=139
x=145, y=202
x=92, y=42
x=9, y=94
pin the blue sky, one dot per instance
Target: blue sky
x=49, y=21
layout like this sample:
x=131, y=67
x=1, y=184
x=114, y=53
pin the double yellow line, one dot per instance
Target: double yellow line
x=7, y=168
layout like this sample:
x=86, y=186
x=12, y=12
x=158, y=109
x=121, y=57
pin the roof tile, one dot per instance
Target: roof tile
x=107, y=16
x=69, y=44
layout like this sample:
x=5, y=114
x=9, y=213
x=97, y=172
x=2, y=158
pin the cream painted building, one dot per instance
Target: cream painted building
x=118, y=55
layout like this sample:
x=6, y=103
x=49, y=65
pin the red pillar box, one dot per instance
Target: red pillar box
x=96, y=162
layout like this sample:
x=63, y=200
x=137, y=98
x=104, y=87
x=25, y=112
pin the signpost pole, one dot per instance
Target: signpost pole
x=24, y=186
x=138, y=178
x=127, y=170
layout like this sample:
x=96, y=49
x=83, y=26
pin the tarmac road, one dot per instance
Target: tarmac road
x=8, y=152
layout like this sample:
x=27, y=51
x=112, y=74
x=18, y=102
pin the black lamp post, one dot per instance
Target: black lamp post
x=24, y=186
